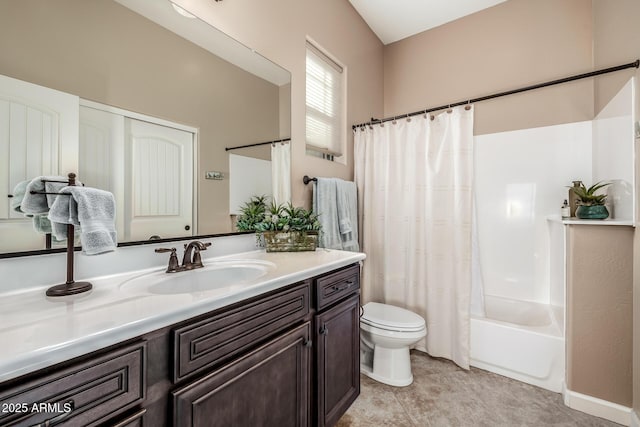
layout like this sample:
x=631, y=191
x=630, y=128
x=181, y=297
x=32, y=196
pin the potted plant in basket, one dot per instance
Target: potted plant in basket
x=252, y=213
x=590, y=204
x=283, y=228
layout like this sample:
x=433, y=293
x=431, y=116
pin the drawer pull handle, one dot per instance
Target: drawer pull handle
x=307, y=343
x=342, y=287
x=324, y=330
x=58, y=419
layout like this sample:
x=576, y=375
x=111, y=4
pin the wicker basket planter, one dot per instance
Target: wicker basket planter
x=290, y=241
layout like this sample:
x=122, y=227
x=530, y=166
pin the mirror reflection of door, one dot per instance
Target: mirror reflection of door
x=38, y=136
x=154, y=183
x=159, y=187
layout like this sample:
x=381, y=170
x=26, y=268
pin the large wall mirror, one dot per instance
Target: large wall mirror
x=141, y=99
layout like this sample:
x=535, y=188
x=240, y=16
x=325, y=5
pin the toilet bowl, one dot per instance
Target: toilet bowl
x=386, y=333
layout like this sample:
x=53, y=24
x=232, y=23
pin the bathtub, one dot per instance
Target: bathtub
x=521, y=340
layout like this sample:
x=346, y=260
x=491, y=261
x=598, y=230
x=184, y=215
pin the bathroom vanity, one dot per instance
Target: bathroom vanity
x=280, y=350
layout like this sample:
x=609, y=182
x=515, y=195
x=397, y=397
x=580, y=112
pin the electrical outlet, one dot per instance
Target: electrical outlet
x=213, y=175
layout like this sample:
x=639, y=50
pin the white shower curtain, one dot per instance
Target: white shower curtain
x=281, y=172
x=414, y=179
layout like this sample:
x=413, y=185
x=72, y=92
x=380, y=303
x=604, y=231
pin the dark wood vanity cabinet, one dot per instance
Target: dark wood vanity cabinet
x=337, y=344
x=306, y=376
x=289, y=357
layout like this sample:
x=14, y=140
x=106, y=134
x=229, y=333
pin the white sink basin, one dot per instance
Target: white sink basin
x=215, y=276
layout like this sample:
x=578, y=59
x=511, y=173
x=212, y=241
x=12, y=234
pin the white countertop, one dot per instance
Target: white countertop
x=37, y=331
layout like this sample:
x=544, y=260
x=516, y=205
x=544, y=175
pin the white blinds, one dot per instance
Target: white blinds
x=324, y=103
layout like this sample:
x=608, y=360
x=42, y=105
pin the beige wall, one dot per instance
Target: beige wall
x=616, y=40
x=513, y=44
x=599, y=311
x=277, y=30
x=101, y=51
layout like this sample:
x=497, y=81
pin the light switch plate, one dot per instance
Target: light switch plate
x=213, y=175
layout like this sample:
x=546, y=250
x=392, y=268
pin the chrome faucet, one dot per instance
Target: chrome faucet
x=190, y=260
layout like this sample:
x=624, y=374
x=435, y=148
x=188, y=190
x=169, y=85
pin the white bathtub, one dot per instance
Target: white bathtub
x=521, y=340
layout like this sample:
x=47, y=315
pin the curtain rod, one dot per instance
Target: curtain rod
x=634, y=64
x=256, y=144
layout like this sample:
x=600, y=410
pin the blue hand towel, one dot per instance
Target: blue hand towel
x=41, y=223
x=325, y=205
x=18, y=195
x=347, y=196
x=41, y=203
x=336, y=203
x=94, y=211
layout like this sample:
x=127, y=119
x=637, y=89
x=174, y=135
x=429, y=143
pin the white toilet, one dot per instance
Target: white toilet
x=386, y=333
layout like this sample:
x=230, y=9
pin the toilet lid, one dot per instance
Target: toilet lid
x=390, y=317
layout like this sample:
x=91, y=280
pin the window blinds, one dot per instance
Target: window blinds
x=324, y=115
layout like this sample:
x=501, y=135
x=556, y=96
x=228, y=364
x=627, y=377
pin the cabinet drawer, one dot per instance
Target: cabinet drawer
x=268, y=387
x=85, y=394
x=335, y=286
x=229, y=332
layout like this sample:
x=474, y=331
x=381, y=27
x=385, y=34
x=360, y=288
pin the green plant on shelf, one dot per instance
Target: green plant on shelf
x=588, y=196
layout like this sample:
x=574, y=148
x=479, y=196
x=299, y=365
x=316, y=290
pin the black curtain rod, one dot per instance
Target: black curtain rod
x=256, y=144
x=634, y=64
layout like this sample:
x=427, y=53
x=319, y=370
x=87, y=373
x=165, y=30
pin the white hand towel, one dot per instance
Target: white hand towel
x=94, y=211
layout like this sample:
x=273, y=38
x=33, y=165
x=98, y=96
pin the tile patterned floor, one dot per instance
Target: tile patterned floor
x=442, y=394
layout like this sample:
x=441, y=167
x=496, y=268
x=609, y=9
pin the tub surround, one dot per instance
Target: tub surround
x=45, y=331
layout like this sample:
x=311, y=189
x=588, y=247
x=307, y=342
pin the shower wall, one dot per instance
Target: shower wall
x=521, y=177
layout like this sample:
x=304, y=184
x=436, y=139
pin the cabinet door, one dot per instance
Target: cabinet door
x=338, y=360
x=268, y=387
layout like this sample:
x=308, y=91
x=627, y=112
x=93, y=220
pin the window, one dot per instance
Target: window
x=325, y=134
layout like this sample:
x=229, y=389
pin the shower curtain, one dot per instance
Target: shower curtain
x=281, y=172
x=414, y=178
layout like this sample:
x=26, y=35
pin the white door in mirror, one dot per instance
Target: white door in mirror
x=158, y=181
x=38, y=136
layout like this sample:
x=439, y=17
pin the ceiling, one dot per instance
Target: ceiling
x=394, y=20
